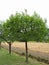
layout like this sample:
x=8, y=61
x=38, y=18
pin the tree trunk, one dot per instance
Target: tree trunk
x=26, y=51
x=9, y=47
x=0, y=45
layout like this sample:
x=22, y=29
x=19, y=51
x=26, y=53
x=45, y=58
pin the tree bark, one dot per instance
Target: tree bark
x=0, y=45
x=9, y=47
x=26, y=51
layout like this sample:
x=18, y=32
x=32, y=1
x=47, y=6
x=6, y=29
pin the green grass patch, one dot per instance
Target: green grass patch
x=15, y=59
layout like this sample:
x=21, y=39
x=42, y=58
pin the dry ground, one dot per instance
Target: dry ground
x=36, y=49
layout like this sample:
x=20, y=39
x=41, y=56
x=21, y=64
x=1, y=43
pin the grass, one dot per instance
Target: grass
x=15, y=59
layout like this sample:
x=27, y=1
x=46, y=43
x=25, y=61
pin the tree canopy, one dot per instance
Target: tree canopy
x=23, y=27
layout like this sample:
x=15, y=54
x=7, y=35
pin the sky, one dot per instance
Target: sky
x=8, y=7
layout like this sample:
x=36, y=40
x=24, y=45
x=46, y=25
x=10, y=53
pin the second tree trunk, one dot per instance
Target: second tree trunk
x=26, y=51
x=9, y=47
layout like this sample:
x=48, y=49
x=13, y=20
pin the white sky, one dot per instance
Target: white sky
x=8, y=7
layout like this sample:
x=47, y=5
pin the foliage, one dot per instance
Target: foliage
x=32, y=28
x=7, y=33
x=1, y=33
x=23, y=27
x=38, y=26
x=46, y=39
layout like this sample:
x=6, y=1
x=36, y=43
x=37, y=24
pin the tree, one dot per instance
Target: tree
x=31, y=28
x=24, y=28
x=7, y=34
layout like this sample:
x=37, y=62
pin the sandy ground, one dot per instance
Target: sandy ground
x=36, y=49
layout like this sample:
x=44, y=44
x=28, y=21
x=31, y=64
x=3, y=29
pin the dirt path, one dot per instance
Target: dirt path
x=36, y=49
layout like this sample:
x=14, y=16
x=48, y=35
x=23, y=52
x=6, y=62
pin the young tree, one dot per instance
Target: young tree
x=7, y=34
x=31, y=28
x=24, y=28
